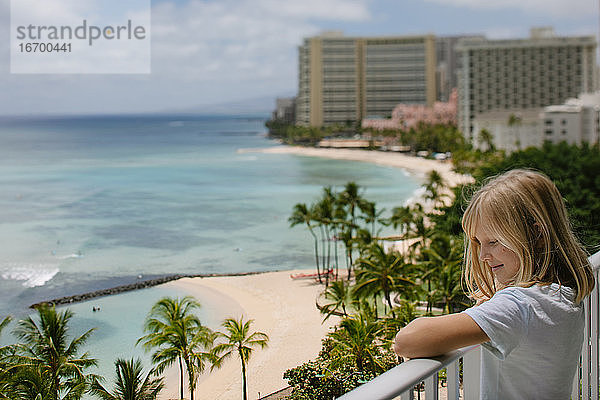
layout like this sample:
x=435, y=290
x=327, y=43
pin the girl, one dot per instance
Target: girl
x=528, y=276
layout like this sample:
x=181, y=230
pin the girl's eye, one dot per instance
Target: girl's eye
x=493, y=242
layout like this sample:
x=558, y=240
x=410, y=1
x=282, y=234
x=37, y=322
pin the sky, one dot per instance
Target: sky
x=208, y=52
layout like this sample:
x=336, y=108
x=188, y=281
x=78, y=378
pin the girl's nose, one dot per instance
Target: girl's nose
x=484, y=254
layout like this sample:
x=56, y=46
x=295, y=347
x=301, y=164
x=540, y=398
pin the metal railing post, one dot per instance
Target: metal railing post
x=453, y=380
x=472, y=374
x=431, y=387
x=593, y=338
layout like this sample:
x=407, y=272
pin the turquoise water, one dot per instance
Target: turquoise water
x=94, y=202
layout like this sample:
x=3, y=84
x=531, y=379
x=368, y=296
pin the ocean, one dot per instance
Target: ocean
x=88, y=203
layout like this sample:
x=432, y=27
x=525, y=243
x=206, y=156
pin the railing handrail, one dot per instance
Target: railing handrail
x=404, y=377
x=409, y=373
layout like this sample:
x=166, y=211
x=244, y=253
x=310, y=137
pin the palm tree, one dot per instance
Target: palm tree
x=514, y=120
x=371, y=215
x=324, y=214
x=418, y=228
x=434, y=178
x=202, y=353
x=5, y=322
x=345, y=235
x=302, y=215
x=238, y=339
x=177, y=335
x=434, y=187
x=20, y=381
x=5, y=364
x=381, y=272
x=486, y=137
x=350, y=199
x=402, y=217
x=405, y=312
x=31, y=382
x=339, y=296
x=130, y=384
x=339, y=230
x=356, y=340
x=449, y=287
x=45, y=349
x=442, y=262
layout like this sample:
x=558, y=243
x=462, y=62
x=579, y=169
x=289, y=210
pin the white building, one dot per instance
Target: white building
x=511, y=131
x=575, y=121
x=448, y=64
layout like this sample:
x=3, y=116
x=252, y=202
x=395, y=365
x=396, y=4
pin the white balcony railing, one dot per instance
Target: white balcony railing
x=400, y=381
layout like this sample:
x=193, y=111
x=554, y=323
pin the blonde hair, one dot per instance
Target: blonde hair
x=525, y=212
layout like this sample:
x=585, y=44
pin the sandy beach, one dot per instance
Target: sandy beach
x=281, y=307
x=417, y=165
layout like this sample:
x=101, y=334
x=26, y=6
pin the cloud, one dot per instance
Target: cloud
x=556, y=8
x=329, y=9
x=224, y=43
x=232, y=39
x=202, y=52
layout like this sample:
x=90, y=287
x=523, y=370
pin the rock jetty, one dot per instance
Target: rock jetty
x=132, y=286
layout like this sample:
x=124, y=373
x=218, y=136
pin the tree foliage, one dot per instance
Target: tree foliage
x=319, y=379
x=176, y=335
x=48, y=361
x=238, y=340
x=130, y=383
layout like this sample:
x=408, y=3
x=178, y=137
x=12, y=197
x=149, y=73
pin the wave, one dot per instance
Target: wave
x=78, y=255
x=32, y=275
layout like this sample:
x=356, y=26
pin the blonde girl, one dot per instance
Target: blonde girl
x=528, y=276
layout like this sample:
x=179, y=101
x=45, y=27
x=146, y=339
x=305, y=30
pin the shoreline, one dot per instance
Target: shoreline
x=413, y=164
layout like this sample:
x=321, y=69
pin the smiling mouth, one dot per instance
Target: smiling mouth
x=497, y=267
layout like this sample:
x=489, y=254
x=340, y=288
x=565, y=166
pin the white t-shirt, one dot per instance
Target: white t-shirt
x=536, y=335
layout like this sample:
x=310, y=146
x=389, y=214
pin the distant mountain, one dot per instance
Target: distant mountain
x=255, y=105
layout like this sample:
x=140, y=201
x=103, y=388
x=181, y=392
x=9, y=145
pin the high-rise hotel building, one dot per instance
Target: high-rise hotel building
x=345, y=79
x=523, y=74
x=448, y=64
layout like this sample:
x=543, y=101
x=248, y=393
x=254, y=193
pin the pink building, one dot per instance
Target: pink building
x=406, y=116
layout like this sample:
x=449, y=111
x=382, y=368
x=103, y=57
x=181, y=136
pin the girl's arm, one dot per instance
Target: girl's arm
x=432, y=336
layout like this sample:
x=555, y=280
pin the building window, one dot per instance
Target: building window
x=548, y=132
x=563, y=122
x=548, y=122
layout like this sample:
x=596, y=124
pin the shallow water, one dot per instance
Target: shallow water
x=95, y=202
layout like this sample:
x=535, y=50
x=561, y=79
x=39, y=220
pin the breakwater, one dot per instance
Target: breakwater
x=133, y=286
